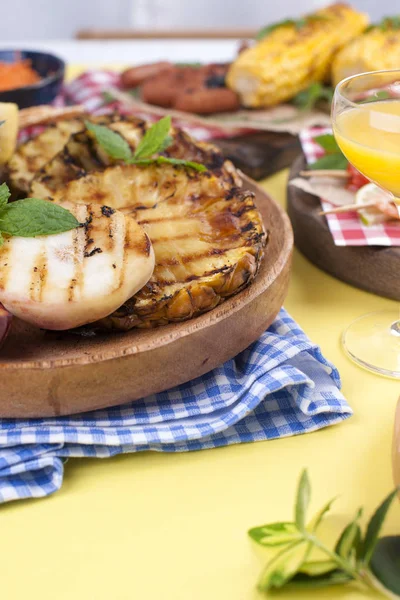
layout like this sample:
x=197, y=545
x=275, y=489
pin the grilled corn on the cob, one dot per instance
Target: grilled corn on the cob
x=376, y=50
x=293, y=55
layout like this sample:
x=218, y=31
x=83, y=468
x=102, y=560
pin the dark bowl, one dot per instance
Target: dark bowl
x=51, y=70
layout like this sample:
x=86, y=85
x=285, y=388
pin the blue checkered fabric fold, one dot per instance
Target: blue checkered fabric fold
x=280, y=386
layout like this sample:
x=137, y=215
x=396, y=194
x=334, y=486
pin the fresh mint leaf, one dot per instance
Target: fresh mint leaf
x=181, y=162
x=4, y=195
x=1, y=240
x=316, y=92
x=385, y=563
x=112, y=143
x=374, y=527
x=379, y=95
x=32, y=217
x=330, y=161
x=154, y=139
x=327, y=142
x=160, y=160
x=302, y=500
x=275, y=534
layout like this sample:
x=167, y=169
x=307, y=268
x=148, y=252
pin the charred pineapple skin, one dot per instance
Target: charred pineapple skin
x=224, y=245
x=290, y=58
x=375, y=50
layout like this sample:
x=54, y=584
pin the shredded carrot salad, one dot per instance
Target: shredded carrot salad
x=16, y=75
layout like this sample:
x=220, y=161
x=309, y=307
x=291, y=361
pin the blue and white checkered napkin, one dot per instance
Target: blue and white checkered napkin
x=280, y=386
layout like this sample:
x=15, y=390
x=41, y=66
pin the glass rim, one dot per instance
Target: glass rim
x=338, y=88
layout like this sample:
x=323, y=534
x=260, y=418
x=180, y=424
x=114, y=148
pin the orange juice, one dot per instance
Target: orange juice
x=369, y=137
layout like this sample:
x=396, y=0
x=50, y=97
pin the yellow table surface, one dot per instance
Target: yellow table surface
x=173, y=526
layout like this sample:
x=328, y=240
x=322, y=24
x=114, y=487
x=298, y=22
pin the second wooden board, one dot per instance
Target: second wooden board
x=371, y=268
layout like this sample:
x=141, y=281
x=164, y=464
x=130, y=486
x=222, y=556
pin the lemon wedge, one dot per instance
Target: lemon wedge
x=8, y=130
x=366, y=195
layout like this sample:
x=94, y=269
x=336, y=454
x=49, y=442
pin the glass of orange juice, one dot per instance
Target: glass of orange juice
x=366, y=125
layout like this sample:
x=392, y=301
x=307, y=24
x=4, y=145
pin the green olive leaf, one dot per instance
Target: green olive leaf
x=32, y=216
x=4, y=195
x=316, y=521
x=112, y=142
x=154, y=139
x=306, y=581
x=349, y=538
x=374, y=527
x=316, y=568
x=283, y=566
x=385, y=563
x=275, y=534
x=302, y=500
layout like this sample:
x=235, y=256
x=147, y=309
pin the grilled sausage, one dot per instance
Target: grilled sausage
x=206, y=101
x=135, y=76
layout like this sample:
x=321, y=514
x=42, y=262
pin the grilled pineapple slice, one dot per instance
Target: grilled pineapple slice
x=74, y=278
x=82, y=155
x=293, y=55
x=376, y=50
x=8, y=130
x=36, y=152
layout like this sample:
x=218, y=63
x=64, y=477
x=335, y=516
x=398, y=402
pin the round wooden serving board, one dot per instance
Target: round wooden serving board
x=371, y=268
x=55, y=373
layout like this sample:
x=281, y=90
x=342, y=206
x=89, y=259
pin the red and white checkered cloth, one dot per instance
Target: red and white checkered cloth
x=347, y=229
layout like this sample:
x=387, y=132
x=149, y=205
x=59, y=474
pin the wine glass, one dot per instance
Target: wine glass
x=366, y=125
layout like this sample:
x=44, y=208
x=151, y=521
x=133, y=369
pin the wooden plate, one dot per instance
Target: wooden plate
x=371, y=268
x=46, y=374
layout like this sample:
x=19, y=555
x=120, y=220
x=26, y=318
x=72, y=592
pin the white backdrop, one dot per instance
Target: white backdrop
x=60, y=19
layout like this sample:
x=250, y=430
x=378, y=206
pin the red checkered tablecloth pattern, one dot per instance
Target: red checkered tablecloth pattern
x=347, y=229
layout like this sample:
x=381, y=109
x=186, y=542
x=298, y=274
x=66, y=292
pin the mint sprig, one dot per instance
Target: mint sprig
x=32, y=217
x=155, y=140
x=315, y=93
x=356, y=557
x=333, y=158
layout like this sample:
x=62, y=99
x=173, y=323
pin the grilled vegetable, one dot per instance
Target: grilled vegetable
x=293, y=55
x=8, y=130
x=36, y=152
x=82, y=154
x=206, y=250
x=377, y=49
x=73, y=278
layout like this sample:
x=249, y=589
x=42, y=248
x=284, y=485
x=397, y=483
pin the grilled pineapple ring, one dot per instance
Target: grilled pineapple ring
x=207, y=234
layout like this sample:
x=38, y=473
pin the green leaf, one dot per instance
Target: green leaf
x=316, y=521
x=305, y=581
x=153, y=139
x=385, y=563
x=1, y=240
x=318, y=567
x=270, y=28
x=349, y=538
x=302, y=500
x=160, y=160
x=379, y=95
x=180, y=162
x=374, y=527
x=328, y=143
x=112, y=143
x=4, y=195
x=330, y=161
x=308, y=98
x=274, y=534
x=32, y=217
x=283, y=566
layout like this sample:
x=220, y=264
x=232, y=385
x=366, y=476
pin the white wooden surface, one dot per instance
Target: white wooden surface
x=132, y=52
